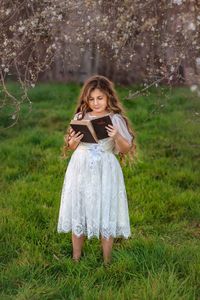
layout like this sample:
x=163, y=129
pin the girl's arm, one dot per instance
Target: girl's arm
x=74, y=139
x=119, y=132
x=122, y=144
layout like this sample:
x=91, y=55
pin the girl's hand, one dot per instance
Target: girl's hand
x=112, y=131
x=74, y=138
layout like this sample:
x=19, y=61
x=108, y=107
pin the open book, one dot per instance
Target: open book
x=93, y=130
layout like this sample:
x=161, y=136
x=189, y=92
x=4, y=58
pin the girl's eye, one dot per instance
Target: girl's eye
x=93, y=99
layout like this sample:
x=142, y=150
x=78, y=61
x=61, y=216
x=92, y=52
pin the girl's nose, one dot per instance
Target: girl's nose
x=95, y=101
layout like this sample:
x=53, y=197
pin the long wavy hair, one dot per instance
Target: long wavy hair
x=113, y=105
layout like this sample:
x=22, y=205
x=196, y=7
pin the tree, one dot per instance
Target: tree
x=33, y=32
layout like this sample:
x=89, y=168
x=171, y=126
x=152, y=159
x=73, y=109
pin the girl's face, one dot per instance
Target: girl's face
x=97, y=101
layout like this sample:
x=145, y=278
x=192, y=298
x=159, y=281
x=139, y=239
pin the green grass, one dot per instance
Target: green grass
x=162, y=258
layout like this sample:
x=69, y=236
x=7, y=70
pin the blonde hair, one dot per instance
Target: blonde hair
x=113, y=105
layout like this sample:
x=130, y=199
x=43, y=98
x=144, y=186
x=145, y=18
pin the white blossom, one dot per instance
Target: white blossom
x=198, y=61
x=21, y=29
x=172, y=68
x=8, y=11
x=191, y=26
x=193, y=87
x=178, y=2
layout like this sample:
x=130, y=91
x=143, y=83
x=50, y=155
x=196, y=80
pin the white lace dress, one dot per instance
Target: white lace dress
x=93, y=198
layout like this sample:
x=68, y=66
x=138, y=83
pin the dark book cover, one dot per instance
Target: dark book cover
x=99, y=125
x=87, y=138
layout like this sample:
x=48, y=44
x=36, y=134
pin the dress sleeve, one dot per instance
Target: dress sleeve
x=120, y=123
x=75, y=117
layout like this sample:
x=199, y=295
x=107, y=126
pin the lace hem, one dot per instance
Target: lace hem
x=90, y=233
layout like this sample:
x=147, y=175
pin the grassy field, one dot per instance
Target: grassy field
x=162, y=258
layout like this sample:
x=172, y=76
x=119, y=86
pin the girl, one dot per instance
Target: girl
x=94, y=199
